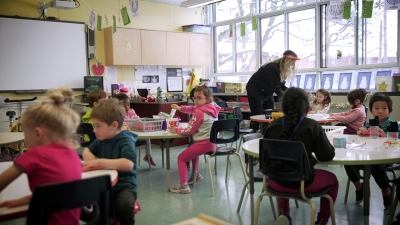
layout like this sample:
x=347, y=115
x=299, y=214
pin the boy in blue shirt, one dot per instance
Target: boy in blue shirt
x=380, y=105
x=115, y=149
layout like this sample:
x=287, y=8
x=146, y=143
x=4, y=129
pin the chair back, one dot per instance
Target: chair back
x=229, y=125
x=249, y=137
x=285, y=151
x=86, y=128
x=366, y=114
x=237, y=113
x=50, y=198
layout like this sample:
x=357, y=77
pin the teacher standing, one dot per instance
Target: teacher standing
x=269, y=79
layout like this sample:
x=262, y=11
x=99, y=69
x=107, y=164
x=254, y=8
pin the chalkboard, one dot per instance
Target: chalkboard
x=41, y=54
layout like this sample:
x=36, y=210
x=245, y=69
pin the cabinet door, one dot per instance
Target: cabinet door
x=154, y=47
x=122, y=47
x=177, y=49
x=200, y=49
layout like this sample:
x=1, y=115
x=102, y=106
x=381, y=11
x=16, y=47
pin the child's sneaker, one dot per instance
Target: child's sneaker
x=199, y=177
x=183, y=189
x=360, y=195
x=148, y=159
x=284, y=219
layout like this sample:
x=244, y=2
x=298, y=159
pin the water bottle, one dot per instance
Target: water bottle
x=374, y=127
x=392, y=133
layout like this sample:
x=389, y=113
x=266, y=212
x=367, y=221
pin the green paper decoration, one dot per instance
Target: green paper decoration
x=347, y=10
x=114, y=24
x=242, y=29
x=367, y=9
x=230, y=30
x=254, y=25
x=98, y=22
x=125, y=16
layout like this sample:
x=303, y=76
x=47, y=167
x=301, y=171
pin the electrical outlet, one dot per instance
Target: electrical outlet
x=41, y=11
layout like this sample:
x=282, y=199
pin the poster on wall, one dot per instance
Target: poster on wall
x=309, y=82
x=384, y=73
x=363, y=80
x=327, y=81
x=295, y=82
x=344, y=81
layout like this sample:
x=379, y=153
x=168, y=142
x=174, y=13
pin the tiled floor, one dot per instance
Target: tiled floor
x=162, y=207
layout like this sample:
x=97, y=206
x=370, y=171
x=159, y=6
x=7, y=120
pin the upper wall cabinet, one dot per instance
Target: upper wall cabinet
x=123, y=47
x=200, y=49
x=178, y=48
x=154, y=47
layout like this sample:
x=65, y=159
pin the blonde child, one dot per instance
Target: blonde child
x=205, y=112
x=48, y=127
x=131, y=114
x=353, y=119
x=114, y=149
x=321, y=103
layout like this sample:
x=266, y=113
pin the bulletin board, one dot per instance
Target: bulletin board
x=174, y=80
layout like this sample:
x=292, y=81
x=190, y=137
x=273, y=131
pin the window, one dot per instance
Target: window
x=245, y=48
x=230, y=9
x=273, y=5
x=272, y=38
x=223, y=46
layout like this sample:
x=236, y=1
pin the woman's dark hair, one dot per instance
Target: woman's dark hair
x=381, y=97
x=122, y=97
x=295, y=103
x=359, y=94
x=324, y=92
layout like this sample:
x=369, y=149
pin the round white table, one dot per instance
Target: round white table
x=320, y=118
x=20, y=187
x=12, y=138
x=166, y=139
x=371, y=152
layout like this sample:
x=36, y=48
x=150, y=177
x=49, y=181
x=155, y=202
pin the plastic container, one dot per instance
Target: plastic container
x=336, y=130
x=392, y=133
x=197, y=28
x=374, y=128
x=244, y=106
x=145, y=124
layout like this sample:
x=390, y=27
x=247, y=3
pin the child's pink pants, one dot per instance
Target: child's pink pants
x=193, y=152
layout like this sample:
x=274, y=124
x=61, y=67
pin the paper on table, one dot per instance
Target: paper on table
x=172, y=114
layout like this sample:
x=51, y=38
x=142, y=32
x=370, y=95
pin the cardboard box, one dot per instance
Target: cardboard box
x=233, y=88
x=221, y=87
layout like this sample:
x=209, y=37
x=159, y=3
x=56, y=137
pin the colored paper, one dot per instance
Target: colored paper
x=254, y=25
x=230, y=30
x=99, y=23
x=242, y=29
x=347, y=10
x=114, y=25
x=92, y=19
x=125, y=16
x=367, y=9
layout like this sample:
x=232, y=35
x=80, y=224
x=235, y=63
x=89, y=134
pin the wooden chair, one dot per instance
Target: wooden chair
x=50, y=198
x=295, y=152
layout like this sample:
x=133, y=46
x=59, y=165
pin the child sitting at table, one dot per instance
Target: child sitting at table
x=355, y=118
x=380, y=105
x=295, y=126
x=114, y=149
x=48, y=127
x=131, y=114
x=321, y=103
x=205, y=112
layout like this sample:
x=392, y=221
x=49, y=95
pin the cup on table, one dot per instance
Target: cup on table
x=172, y=122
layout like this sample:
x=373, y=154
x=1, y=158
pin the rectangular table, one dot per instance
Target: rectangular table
x=372, y=153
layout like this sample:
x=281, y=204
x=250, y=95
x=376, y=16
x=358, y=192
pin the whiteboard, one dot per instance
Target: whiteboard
x=39, y=54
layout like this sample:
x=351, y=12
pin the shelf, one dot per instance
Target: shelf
x=228, y=94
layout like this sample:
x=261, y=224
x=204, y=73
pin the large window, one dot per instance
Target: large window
x=245, y=48
x=273, y=5
x=272, y=38
x=223, y=45
x=230, y=9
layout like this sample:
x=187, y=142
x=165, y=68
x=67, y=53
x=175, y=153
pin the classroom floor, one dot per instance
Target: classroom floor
x=161, y=207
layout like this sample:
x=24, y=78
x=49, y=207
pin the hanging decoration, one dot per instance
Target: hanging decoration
x=134, y=6
x=114, y=24
x=92, y=18
x=392, y=4
x=254, y=25
x=106, y=19
x=125, y=16
x=242, y=29
x=230, y=30
x=335, y=10
x=347, y=10
x=367, y=9
x=98, y=22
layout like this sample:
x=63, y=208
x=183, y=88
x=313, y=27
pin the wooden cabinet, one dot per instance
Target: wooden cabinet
x=200, y=49
x=122, y=47
x=154, y=47
x=178, y=48
x=148, y=109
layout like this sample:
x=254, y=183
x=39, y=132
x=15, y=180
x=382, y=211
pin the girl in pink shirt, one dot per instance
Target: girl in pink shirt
x=48, y=128
x=355, y=118
x=131, y=114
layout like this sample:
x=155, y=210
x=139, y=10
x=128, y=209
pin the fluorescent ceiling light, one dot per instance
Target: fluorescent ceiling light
x=197, y=3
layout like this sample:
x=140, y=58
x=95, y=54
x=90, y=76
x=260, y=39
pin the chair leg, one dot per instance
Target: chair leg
x=139, y=157
x=241, y=164
x=346, y=195
x=241, y=197
x=332, y=208
x=312, y=216
x=162, y=154
x=196, y=170
x=210, y=175
x=215, y=165
x=393, y=209
x=257, y=211
x=227, y=168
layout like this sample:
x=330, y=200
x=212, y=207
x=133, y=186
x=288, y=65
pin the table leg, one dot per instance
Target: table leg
x=367, y=193
x=251, y=182
x=167, y=143
x=21, y=147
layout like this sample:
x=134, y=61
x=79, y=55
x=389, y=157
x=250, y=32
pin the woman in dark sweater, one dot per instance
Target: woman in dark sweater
x=295, y=126
x=268, y=79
